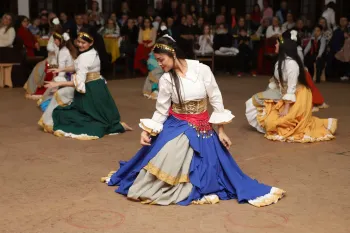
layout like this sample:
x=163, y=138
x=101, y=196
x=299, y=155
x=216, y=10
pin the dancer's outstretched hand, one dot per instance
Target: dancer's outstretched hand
x=145, y=139
x=54, y=70
x=225, y=140
x=50, y=85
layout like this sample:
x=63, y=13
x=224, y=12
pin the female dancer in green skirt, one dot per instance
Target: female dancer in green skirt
x=93, y=112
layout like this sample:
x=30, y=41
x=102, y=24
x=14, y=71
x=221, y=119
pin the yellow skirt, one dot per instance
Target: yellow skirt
x=298, y=125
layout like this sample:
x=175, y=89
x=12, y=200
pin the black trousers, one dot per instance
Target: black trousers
x=344, y=69
x=320, y=64
x=245, y=57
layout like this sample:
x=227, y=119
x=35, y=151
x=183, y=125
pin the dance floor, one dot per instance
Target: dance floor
x=52, y=185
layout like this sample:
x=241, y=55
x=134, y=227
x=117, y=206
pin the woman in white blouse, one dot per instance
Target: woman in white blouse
x=35, y=84
x=58, y=97
x=288, y=118
x=274, y=30
x=205, y=42
x=7, y=32
x=92, y=113
x=183, y=160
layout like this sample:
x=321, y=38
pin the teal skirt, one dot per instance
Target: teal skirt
x=90, y=116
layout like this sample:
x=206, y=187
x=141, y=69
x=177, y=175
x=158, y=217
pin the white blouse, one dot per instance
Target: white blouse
x=199, y=83
x=329, y=15
x=7, y=38
x=290, y=72
x=270, y=32
x=64, y=60
x=53, y=50
x=85, y=63
x=204, y=46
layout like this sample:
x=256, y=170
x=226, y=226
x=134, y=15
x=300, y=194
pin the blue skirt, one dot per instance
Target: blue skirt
x=213, y=171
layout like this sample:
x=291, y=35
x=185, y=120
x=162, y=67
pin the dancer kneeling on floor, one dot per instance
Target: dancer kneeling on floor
x=54, y=97
x=183, y=160
x=93, y=112
x=288, y=118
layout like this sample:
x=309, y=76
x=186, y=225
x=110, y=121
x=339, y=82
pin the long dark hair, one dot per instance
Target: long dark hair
x=289, y=48
x=179, y=55
x=143, y=23
x=11, y=24
x=19, y=21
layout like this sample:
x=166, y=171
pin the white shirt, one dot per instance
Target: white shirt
x=7, y=38
x=53, y=50
x=64, y=60
x=199, y=83
x=290, y=73
x=329, y=14
x=204, y=46
x=270, y=32
x=85, y=63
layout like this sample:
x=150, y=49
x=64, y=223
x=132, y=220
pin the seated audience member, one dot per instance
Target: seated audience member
x=205, y=42
x=171, y=28
x=29, y=40
x=220, y=19
x=301, y=29
x=344, y=57
x=34, y=27
x=249, y=25
x=123, y=20
x=274, y=30
x=65, y=22
x=188, y=34
x=44, y=24
x=245, y=52
x=327, y=32
x=200, y=25
x=223, y=42
x=261, y=32
x=289, y=24
x=241, y=24
x=110, y=29
x=314, y=53
x=7, y=32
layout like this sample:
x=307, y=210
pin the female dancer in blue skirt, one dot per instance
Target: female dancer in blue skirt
x=183, y=160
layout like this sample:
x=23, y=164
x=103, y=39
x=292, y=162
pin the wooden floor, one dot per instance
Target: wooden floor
x=52, y=185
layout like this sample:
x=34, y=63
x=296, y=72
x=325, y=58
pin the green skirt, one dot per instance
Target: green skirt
x=90, y=116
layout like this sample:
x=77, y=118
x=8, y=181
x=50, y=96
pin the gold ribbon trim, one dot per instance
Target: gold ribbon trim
x=92, y=76
x=191, y=107
x=167, y=178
